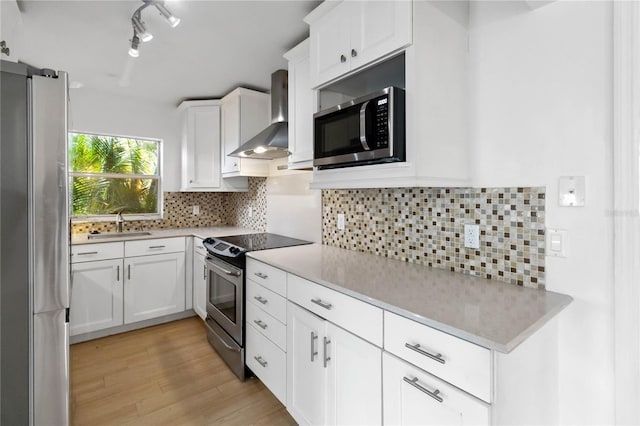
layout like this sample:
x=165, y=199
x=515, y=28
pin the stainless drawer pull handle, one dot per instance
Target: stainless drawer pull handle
x=87, y=253
x=261, y=299
x=414, y=382
x=320, y=303
x=261, y=361
x=416, y=347
x=327, y=358
x=129, y=272
x=260, y=324
x=261, y=275
x=156, y=247
x=118, y=273
x=204, y=275
x=314, y=352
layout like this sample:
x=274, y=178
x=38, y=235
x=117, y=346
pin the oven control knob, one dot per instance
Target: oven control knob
x=234, y=250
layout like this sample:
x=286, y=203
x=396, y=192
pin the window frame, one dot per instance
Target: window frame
x=126, y=216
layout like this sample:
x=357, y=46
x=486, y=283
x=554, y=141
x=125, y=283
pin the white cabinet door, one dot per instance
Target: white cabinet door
x=379, y=28
x=305, y=369
x=412, y=397
x=230, y=115
x=333, y=376
x=11, y=30
x=356, y=33
x=330, y=44
x=96, y=296
x=154, y=286
x=302, y=101
x=354, y=379
x=200, y=145
x=199, y=285
x=245, y=113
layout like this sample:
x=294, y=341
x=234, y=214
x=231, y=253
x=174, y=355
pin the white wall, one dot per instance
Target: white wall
x=293, y=209
x=541, y=108
x=99, y=112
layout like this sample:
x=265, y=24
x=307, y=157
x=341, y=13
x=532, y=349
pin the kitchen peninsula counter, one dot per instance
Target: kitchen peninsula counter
x=214, y=231
x=489, y=313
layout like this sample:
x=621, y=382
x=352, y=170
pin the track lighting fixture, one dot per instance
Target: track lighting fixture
x=140, y=30
x=133, y=50
x=172, y=20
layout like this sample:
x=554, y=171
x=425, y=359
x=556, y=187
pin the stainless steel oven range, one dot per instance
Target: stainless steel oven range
x=226, y=263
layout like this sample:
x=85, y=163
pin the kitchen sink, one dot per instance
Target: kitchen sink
x=118, y=235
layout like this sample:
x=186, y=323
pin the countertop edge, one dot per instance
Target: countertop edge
x=445, y=328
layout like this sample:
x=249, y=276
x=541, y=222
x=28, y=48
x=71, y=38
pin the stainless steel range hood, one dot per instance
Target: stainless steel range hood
x=272, y=142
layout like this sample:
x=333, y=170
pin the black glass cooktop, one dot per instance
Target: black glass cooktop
x=262, y=241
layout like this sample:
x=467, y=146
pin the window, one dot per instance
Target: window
x=111, y=174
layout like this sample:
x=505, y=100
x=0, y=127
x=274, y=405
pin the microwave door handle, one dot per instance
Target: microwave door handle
x=363, y=126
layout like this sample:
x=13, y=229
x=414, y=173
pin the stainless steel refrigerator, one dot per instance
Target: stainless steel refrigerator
x=34, y=247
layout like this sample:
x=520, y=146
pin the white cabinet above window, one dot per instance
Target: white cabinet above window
x=353, y=34
x=201, y=151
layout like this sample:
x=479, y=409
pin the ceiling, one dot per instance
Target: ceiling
x=218, y=46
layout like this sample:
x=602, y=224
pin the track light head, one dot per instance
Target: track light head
x=139, y=28
x=133, y=50
x=171, y=20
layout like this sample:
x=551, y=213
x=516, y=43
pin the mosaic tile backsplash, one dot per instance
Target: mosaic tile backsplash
x=426, y=226
x=216, y=208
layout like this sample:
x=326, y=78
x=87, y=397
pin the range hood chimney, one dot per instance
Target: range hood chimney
x=272, y=142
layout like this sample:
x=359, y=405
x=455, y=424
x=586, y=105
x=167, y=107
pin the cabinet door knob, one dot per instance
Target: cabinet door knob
x=343, y=59
x=354, y=53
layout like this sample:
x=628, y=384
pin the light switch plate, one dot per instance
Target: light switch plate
x=341, y=221
x=557, y=242
x=196, y=210
x=571, y=191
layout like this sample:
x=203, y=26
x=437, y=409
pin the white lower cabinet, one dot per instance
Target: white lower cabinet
x=412, y=396
x=154, y=286
x=333, y=376
x=96, y=296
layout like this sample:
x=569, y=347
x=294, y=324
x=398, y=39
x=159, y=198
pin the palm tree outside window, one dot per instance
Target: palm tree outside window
x=114, y=174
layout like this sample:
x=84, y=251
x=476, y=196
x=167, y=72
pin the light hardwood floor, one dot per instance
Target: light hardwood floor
x=167, y=374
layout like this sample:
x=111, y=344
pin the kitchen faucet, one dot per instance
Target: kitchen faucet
x=119, y=221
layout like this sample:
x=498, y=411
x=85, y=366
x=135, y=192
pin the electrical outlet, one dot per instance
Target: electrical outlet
x=196, y=210
x=341, y=221
x=250, y=211
x=472, y=236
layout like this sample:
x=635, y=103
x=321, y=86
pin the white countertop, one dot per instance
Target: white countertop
x=489, y=313
x=216, y=231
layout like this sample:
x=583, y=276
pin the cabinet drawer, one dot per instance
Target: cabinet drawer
x=155, y=246
x=358, y=317
x=272, y=278
x=198, y=247
x=267, y=362
x=463, y=364
x=272, y=303
x=102, y=251
x=412, y=397
x=267, y=325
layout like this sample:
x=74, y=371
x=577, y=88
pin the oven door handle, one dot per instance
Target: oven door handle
x=226, y=271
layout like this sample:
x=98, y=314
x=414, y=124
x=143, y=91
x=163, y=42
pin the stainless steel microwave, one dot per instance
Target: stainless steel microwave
x=366, y=130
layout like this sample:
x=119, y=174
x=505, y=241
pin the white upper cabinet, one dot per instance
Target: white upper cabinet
x=245, y=113
x=302, y=106
x=353, y=34
x=10, y=29
x=201, y=159
x=433, y=40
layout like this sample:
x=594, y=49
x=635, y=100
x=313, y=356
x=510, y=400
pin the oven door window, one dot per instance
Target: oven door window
x=222, y=295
